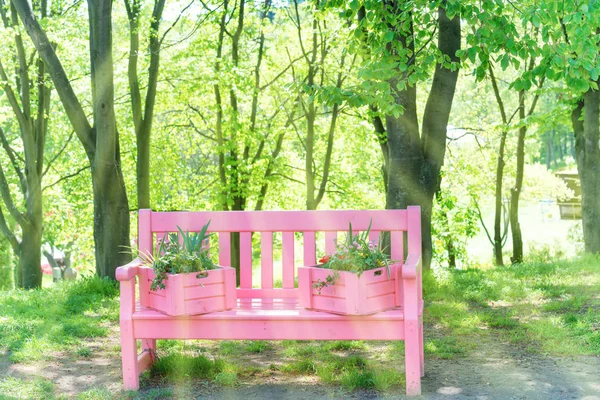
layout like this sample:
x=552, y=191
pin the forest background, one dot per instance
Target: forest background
x=465, y=108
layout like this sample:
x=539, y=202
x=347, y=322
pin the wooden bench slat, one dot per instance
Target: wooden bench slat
x=280, y=221
x=246, y=260
x=330, y=242
x=277, y=309
x=145, y=239
x=309, y=248
x=397, y=244
x=267, y=293
x=224, y=249
x=374, y=236
x=266, y=260
x=287, y=259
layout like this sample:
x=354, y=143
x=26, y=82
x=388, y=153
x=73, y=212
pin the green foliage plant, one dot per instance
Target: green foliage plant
x=357, y=255
x=180, y=253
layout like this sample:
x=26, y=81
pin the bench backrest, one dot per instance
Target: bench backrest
x=154, y=225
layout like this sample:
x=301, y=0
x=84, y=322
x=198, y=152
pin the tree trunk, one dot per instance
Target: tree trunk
x=30, y=257
x=435, y=123
x=415, y=162
x=111, y=208
x=498, y=234
x=143, y=114
x=515, y=193
x=548, y=149
x=18, y=274
x=234, y=244
x=111, y=220
x=448, y=240
x=561, y=153
x=587, y=148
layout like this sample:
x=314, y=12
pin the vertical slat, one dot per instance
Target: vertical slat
x=309, y=249
x=374, y=236
x=246, y=260
x=266, y=260
x=229, y=279
x=330, y=239
x=397, y=255
x=397, y=243
x=305, y=287
x=287, y=239
x=205, y=245
x=160, y=236
x=145, y=232
x=414, y=230
x=144, y=286
x=224, y=249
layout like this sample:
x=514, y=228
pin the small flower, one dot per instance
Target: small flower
x=325, y=259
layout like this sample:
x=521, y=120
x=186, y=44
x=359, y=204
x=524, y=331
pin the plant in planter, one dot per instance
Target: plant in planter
x=359, y=278
x=181, y=279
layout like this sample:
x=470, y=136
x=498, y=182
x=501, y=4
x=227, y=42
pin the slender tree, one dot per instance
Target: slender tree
x=311, y=84
x=99, y=138
x=143, y=107
x=30, y=104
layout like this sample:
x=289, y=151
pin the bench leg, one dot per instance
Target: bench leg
x=412, y=354
x=148, y=356
x=131, y=378
x=149, y=345
x=421, y=346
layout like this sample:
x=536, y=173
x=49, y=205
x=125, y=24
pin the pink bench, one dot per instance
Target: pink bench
x=269, y=313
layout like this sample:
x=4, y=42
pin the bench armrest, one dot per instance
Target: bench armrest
x=129, y=271
x=411, y=267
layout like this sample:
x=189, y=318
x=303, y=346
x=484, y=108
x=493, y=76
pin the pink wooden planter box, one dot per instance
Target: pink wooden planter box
x=185, y=294
x=370, y=293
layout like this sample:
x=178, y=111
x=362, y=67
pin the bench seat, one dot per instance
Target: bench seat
x=269, y=319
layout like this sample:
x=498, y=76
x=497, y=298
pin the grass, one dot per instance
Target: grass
x=544, y=307
x=34, y=325
x=179, y=367
x=35, y=388
x=552, y=308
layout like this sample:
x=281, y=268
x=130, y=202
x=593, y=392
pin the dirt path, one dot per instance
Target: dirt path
x=498, y=370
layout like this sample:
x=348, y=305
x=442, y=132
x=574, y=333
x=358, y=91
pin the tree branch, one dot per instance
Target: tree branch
x=23, y=70
x=13, y=160
x=162, y=39
x=65, y=91
x=199, y=132
x=80, y=170
x=7, y=198
x=14, y=243
x=53, y=159
x=12, y=99
x=497, y=95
